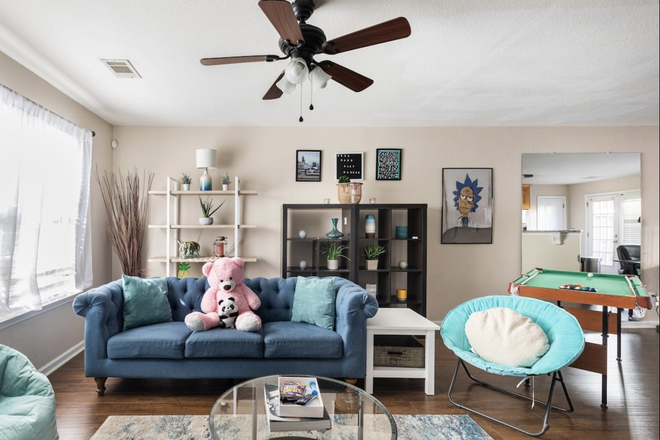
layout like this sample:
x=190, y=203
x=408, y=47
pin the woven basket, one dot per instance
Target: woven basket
x=350, y=192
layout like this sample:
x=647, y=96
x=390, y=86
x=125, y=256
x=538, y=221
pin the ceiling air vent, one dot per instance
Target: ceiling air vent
x=122, y=68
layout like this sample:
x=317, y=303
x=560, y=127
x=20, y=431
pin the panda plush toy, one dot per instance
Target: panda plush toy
x=228, y=311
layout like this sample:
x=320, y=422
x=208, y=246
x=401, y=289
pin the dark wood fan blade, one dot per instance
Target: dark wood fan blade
x=280, y=13
x=380, y=33
x=237, y=60
x=346, y=77
x=274, y=92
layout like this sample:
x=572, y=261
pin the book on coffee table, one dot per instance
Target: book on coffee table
x=277, y=423
x=300, y=386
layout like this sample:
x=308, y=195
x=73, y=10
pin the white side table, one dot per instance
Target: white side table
x=397, y=321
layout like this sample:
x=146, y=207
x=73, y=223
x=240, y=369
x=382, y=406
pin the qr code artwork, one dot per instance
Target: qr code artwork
x=388, y=164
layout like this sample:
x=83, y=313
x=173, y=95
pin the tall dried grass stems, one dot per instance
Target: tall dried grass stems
x=126, y=203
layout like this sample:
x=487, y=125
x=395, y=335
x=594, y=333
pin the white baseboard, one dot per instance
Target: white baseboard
x=62, y=359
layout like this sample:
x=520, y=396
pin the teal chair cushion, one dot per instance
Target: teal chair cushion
x=27, y=400
x=563, y=330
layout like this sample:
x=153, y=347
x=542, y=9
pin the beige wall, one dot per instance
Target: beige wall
x=264, y=159
x=54, y=333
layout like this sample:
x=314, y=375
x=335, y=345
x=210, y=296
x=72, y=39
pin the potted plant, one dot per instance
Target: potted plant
x=347, y=191
x=334, y=251
x=225, y=181
x=371, y=253
x=185, y=181
x=207, y=211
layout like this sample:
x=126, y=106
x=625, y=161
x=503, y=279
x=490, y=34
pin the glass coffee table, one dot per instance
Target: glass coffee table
x=240, y=413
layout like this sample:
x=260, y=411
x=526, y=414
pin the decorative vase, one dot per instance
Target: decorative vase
x=372, y=264
x=333, y=264
x=349, y=192
x=370, y=226
x=403, y=264
x=206, y=220
x=205, y=182
x=335, y=233
x=401, y=294
x=302, y=264
x=186, y=187
x=302, y=234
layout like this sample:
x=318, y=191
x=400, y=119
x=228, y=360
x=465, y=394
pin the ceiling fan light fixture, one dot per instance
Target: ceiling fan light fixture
x=296, y=72
x=319, y=78
x=286, y=86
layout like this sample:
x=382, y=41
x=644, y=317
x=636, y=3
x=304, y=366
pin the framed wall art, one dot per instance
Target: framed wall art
x=350, y=164
x=308, y=166
x=467, y=206
x=388, y=164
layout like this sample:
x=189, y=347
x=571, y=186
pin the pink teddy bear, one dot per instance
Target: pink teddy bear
x=225, y=277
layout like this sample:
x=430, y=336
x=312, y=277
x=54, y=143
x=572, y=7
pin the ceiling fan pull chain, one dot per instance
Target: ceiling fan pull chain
x=311, y=94
x=301, y=100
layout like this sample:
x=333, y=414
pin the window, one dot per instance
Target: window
x=45, y=249
x=631, y=215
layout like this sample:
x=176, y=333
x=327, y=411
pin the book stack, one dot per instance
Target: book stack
x=284, y=414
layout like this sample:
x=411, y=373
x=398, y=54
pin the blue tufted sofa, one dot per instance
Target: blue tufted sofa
x=170, y=350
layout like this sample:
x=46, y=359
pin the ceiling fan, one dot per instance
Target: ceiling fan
x=301, y=42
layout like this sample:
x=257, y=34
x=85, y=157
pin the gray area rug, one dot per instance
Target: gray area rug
x=410, y=427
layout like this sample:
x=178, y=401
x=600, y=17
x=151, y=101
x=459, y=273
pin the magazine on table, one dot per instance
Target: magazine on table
x=278, y=423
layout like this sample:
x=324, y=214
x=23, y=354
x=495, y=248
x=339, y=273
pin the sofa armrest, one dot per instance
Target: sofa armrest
x=354, y=305
x=101, y=307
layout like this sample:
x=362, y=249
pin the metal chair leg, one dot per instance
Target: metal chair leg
x=556, y=377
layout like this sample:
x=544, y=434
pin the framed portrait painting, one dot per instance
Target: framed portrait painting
x=308, y=166
x=388, y=164
x=467, y=206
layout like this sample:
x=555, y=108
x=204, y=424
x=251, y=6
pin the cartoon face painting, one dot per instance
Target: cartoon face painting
x=466, y=200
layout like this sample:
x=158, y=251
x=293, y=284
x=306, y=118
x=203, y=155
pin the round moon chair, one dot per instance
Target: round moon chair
x=564, y=336
x=27, y=400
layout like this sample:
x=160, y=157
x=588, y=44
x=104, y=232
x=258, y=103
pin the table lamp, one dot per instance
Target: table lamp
x=205, y=159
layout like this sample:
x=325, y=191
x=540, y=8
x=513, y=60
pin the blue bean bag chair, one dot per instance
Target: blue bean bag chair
x=27, y=400
x=564, y=336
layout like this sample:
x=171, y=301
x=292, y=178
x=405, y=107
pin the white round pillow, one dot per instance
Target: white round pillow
x=505, y=337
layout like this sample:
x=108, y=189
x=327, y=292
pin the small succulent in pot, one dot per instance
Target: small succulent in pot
x=372, y=251
x=334, y=251
x=207, y=207
x=225, y=179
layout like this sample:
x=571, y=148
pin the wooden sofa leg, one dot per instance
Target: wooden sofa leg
x=350, y=381
x=100, y=385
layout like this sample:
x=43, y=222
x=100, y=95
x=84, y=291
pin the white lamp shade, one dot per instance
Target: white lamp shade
x=286, y=86
x=296, y=72
x=319, y=78
x=206, y=158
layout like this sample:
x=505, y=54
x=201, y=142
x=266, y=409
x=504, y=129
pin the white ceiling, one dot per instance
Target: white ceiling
x=467, y=63
x=576, y=168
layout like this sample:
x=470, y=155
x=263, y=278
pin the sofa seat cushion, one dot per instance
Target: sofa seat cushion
x=285, y=339
x=225, y=343
x=163, y=341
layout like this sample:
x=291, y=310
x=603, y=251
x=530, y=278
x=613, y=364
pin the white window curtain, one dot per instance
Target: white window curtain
x=45, y=241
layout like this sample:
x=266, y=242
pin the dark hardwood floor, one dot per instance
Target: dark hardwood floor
x=632, y=412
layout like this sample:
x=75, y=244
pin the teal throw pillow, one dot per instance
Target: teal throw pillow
x=145, y=301
x=314, y=302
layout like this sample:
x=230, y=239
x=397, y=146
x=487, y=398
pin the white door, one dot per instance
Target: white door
x=602, y=233
x=613, y=219
x=551, y=213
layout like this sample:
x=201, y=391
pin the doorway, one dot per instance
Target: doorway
x=551, y=213
x=612, y=219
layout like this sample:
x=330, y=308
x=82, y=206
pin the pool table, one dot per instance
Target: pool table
x=620, y=291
